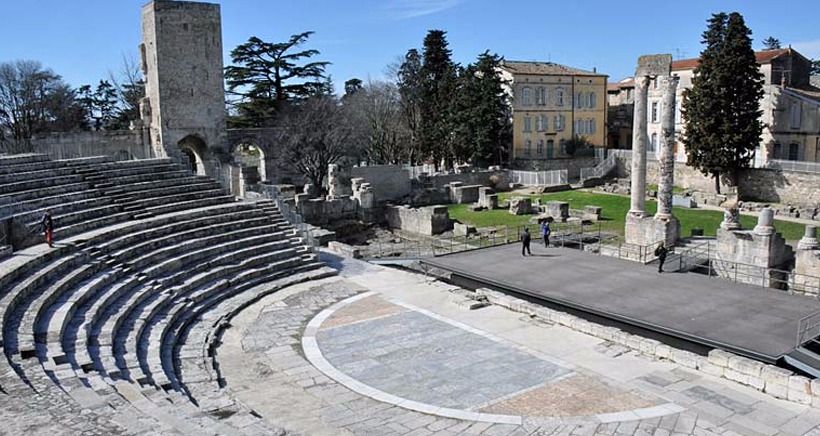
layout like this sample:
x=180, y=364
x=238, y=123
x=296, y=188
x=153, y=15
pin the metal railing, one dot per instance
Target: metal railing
x=808, y=328
x=562, y=235
x=793, y=166
x=616, y=247
x=695, y=257
x=602, y=169
x=535, y=178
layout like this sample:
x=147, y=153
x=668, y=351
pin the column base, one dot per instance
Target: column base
x=651, y=230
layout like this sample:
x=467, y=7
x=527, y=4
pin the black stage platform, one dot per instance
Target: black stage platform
x=753, y=321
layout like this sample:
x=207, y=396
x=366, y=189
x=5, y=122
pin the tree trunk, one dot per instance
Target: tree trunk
x=717, y=181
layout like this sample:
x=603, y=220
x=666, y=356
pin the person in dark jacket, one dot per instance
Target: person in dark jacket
x=48, y=227
x=525, y=242
x=661, y=252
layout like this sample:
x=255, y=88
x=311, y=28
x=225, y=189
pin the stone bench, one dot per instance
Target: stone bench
x=43, y=193
x=24, y=176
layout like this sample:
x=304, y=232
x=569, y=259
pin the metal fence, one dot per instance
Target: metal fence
x=535, y=178
x=793, y=166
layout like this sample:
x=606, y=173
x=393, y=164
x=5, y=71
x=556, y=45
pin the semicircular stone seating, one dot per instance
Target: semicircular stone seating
x=149, y=260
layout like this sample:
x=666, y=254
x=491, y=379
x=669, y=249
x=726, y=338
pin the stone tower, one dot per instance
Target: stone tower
x=184, y=107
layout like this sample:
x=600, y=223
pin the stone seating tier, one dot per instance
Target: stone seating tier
x=145, y=252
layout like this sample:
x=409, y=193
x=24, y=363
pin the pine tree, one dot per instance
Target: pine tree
x=438, y=83
x=269, y=75
x=771, y=43
x=722, y=108
x=409, y=83
x=481, y=118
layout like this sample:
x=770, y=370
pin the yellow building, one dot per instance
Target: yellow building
x=553, y=103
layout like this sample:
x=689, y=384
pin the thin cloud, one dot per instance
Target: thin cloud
x=809, y=49
x=406, y=9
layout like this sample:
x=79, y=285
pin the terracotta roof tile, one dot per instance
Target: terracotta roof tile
x=520, y=67
x=762, y=56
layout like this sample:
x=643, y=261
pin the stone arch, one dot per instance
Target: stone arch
x=195, y=149
x=250, y=152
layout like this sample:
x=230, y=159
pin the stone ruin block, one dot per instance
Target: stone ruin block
x=558, y=210
x=483, y=193
x=491, y=202
x=592, y=213
x=464, y=194
x=463, y=229
x=520, y=205
x=475, y=207
x=430, y=220
x=682, y=201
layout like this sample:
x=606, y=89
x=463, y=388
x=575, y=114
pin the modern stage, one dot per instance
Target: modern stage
x=690, y=308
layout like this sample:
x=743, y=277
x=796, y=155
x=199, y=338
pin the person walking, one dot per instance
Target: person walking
x=525, y=242
x=545, y=232
x=661, y=252
x=48, y=227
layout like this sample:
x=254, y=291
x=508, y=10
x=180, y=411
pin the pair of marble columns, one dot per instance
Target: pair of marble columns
x=666, y=152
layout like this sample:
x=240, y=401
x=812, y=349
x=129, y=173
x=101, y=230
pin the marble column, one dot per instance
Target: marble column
x=637, y=208
x=666, y=155
x=765, y=222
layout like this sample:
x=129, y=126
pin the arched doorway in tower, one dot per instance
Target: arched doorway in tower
x=194, y=148
x=250, y=155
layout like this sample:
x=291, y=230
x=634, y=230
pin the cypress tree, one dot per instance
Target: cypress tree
x=438, y=83
x=722, y=109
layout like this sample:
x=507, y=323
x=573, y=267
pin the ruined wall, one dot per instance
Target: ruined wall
x=797, y=189
x=117, y=144
x=482, y=178
x=389, y=182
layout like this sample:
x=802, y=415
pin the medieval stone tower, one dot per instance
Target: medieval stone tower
x=184, y=107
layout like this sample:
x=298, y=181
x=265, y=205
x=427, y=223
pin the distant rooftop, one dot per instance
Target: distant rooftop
x=523, y=67
x=626, y=82
x=762, y=57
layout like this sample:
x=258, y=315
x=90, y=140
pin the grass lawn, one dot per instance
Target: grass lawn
x=614, y=212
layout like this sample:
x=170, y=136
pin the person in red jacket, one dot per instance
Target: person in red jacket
x=48, y=227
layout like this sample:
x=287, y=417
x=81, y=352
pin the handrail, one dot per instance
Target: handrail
x=808, y=328
x=600, y=170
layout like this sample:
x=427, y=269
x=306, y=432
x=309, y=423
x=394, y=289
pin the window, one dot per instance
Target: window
x=593, y=100
x=545, y=122
x=653, y=143
x=550, y=148
x=654, y=114
x=578, y=127
x=578, y=99
x=591, y=126
x=559, y=97
x=563, y=145
x=539, y=123
x=527, y=123
x=527, y=96
x=777, y=151
x=794, y=151
x=677, y=111
x=540, y=149
x=794, y=115
x=541, y=96
x=558, y=123
x=528, y=148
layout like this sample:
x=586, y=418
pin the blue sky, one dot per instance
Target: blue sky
x=83, y=39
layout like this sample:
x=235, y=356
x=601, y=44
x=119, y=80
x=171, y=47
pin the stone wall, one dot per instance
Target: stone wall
x=482, y=178
x=117, y=144
x=797, y=189
x=573, y=165
x=430, y=220
x=748, y=257
x=389, y=182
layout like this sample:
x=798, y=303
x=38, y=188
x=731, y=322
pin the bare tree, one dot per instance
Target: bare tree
x=378, y=122
x=130, y=86
x=34, y=100
x=315, y=134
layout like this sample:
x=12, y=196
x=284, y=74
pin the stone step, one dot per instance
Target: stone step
x=22, y=158
x=179, y=198
x=50, y=202
x=23, y=176
x=65, y=212
x=45, y=182
x=34, y=195
x=190, y=204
